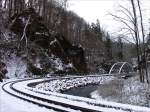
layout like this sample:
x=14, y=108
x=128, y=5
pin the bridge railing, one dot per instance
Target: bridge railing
x=123, y=68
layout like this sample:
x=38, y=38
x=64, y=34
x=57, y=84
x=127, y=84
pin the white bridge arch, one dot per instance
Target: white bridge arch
x=120, y=67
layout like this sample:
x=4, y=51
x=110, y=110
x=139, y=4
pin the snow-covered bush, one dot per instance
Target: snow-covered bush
x=16, y=67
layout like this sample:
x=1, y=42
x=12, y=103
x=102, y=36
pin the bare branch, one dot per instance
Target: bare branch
x=123, y=37
x=122, y=21
x=127, y=40
x=130, y=18
x=24, y=31
x=130, y=14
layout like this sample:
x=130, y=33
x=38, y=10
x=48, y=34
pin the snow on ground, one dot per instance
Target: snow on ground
x=68, y=83
x=9, y=103
x=16, y=67
x=129, y=91
x=81, y=100
x=22, y=87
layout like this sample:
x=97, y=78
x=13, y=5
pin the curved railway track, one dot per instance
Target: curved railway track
x=40, y=98
x=8, y=88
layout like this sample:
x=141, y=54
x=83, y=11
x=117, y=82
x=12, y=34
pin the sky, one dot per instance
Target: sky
x=91, y=10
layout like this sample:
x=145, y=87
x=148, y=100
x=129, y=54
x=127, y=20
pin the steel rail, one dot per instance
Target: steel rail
x=83, y=109
x=31, y=101
x=58, y=103
x=70, y=106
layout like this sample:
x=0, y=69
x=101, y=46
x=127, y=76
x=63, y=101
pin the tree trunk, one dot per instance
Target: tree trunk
x=144, y=47
x=137, y=40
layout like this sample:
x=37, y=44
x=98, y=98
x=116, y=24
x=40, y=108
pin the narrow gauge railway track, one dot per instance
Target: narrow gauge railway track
x=50, y=104
x=34, y=99
x=54, y=102
x=55, y=105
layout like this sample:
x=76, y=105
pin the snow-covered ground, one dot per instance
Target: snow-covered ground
x=16, y=67
x=129, y=91
x=49, y=91
x=9, y=103
x=63, y=99
x=73, y=99
x=68, y=83
x=21, y=86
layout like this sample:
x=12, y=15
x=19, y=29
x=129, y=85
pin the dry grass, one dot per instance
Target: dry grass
x=129, y=91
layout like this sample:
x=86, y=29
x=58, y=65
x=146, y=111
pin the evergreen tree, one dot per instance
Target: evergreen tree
x=120, y=49
x=108, y=46
x=97, y=29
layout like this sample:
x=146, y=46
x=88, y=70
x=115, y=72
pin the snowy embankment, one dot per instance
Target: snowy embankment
x=68, y=83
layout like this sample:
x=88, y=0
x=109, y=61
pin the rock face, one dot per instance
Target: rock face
x=45, y=52
x=3, y=70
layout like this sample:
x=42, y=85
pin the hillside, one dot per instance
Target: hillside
x=47, y=38
x=41, y=44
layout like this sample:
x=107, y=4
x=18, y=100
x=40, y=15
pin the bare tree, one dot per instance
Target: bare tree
x=136, y=33
x=131, y=28
x=144, y=44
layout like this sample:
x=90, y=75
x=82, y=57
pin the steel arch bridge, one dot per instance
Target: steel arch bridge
x=121, y=68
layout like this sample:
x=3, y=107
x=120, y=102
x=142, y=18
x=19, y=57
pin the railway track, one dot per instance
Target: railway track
x=56, y=102
x=34, y=99
x=50, y=104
